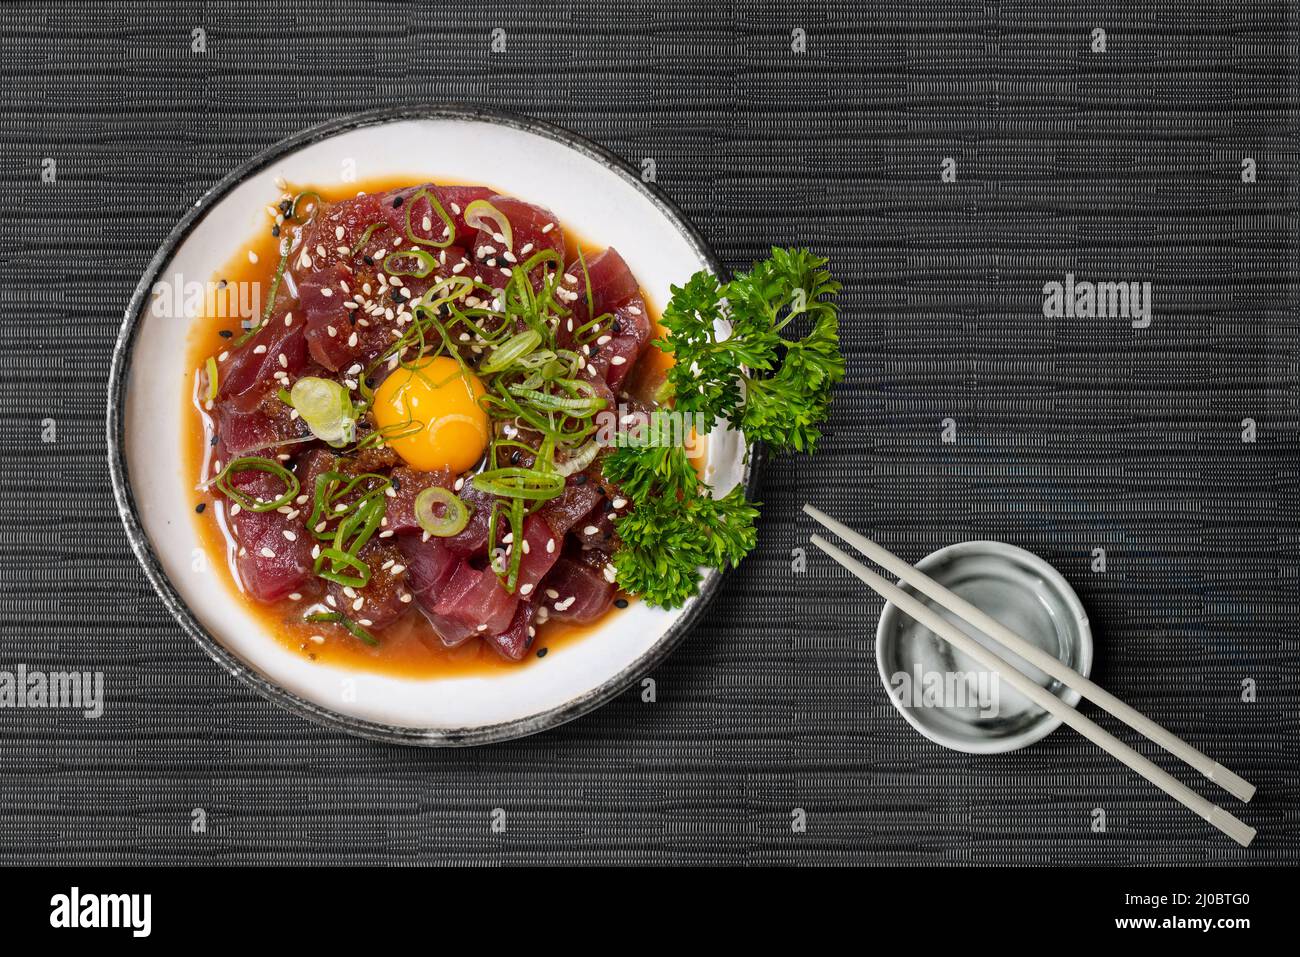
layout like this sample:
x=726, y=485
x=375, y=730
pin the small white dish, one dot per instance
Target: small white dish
x=588, y=189
x=946, y=695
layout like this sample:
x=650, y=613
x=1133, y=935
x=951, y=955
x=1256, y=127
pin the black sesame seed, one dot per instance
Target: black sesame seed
x=397, y=203
x=370, y=382
x=368, y=260
x=225, y=334
x=541, y=652
x=286, y=206
x=213, y=441
x=397, y=483
x=617, y=327
x=620, y=602
x=275, y=231
x=398, y=299
x=200, y=507
x=580, y=480
x=514, y=457
x=600, y=489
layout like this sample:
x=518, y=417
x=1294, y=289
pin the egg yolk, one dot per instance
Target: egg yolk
x=443, y=399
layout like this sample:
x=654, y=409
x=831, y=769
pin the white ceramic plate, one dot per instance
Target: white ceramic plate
x=587, y=189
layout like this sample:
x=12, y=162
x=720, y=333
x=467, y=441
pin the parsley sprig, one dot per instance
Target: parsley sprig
x=773, y=388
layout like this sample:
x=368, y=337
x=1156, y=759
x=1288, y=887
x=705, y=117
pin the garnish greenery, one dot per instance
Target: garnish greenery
x=784, y=395
x=775, y=389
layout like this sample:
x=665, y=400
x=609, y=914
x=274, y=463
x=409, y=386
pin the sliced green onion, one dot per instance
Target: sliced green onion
x=442, y=214
x=252, y=463
x=520, y=483
x=212, y=378
x=558, y=403
x=334, y=617
x=326, y=498
x=365, y=237
x=426, y=260
x=510, y=351
x=579, y=460
x=339, y=560
x=326, y=407
x=455, y=514
x=476, y=214
x=360, y=525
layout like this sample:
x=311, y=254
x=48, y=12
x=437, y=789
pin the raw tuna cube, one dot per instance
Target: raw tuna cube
x=256, y=362
x=270, y=565
x=582, y=593
x=472, y=602
x=256, y=422
x=513, y=643
x=575, y=504
x=454, y=201
x=473, y=537
x=429, y=566
x=328, y=325
x=624, y=340
x=534, y=229
x=543, y=551
x=379, y=602
x=612, y=284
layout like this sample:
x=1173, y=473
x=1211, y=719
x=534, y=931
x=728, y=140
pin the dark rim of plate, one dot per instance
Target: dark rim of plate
x=143, y=548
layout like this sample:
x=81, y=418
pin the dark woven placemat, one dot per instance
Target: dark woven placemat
x=1070, y=434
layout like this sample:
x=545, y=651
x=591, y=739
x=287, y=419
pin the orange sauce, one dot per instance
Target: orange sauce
x=408, y=648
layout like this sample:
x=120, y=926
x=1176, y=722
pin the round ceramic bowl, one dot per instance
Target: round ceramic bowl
x=946, y=695
x=588, y=189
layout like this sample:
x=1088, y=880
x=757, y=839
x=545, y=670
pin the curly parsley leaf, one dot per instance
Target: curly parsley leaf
x=666, y=540
x=775, y=389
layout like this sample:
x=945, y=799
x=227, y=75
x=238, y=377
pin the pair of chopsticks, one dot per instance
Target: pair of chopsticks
x=1237, y=786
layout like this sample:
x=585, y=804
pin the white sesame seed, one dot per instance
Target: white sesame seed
x=259, y=350
x=338, y=232
x=619, y=502
x=552, y=593
x=319, y=639
x=398, y=569
x=289, y=535
x=356, y=605
x=550, y=546
x=295, y=596
x=617, y=361
x=252, y=256
x=548, y=227
x=590, y=530
x=326, y=291
x=267, y=553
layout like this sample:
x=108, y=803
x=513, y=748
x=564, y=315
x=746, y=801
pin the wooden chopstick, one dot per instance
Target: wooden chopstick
x=1233, y=783
x=1236, y=829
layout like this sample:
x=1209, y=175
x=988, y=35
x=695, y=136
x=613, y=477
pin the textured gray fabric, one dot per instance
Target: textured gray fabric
x=1071, y=434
